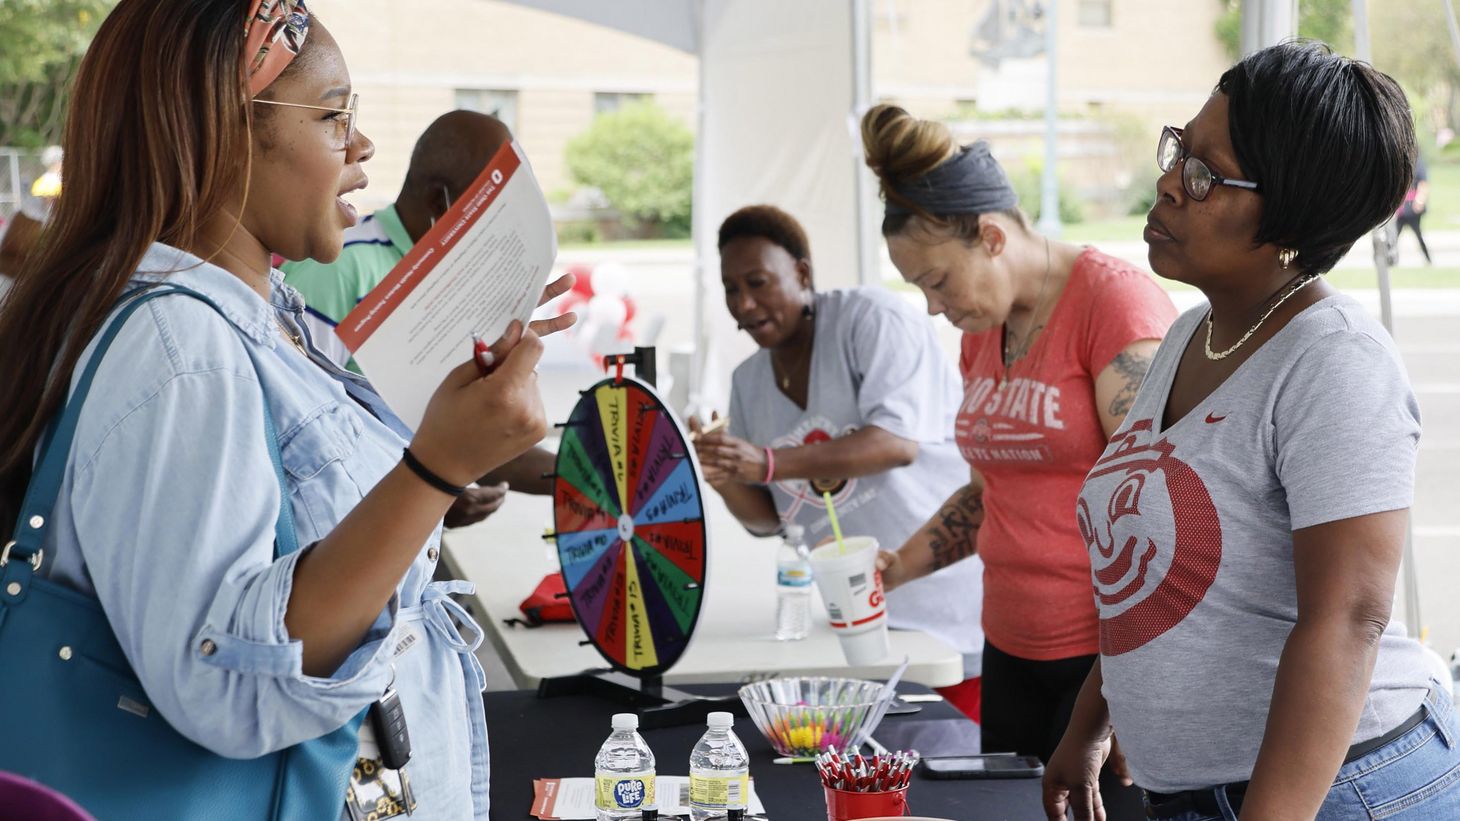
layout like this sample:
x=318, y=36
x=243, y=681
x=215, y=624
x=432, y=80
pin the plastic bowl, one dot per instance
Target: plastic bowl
x=806, y=716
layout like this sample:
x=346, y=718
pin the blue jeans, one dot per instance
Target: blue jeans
x=1415, y=777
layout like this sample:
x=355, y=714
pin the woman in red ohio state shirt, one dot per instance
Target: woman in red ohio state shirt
x=1057, y=339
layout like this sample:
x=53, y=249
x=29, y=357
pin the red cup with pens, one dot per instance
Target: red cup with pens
x=859, y=787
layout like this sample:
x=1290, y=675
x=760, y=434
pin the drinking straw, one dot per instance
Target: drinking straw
x=836, y=527
x=884, y=701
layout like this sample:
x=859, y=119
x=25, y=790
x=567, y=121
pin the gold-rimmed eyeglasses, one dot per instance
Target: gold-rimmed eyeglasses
x=346, y=121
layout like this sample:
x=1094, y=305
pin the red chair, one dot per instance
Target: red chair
x=21, y=798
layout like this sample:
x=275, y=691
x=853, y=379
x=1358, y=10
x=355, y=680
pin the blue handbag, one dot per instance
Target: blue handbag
x=74, y=716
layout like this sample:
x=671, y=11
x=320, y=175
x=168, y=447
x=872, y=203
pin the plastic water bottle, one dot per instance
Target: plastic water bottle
x=793, y=586
x=623, y=773
x=719, y=772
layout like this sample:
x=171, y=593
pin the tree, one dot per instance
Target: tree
x=642, y=159
x=1411, y=43
x=41, y=43
x=1409, y=40
x=1328, y=20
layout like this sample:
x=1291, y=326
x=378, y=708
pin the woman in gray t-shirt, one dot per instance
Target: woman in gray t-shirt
x=1246, y=522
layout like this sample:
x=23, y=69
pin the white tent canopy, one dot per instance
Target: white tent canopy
x=782, y=84
x=674, y=23
x=780, y=88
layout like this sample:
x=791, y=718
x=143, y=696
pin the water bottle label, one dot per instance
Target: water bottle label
x=624, y=791
x=793, y=577
x=718, y=792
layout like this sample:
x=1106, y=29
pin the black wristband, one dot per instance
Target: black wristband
x=427, y=476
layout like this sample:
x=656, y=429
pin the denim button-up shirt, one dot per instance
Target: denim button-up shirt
x=167, y=515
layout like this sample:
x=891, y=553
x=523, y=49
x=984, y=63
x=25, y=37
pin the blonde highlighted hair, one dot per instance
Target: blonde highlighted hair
x=900, y=148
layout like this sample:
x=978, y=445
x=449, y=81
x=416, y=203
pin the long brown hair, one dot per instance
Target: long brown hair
x=156, y=139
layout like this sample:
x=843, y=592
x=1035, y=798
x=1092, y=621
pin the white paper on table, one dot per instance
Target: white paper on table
x=571, y=799
x=483, y=264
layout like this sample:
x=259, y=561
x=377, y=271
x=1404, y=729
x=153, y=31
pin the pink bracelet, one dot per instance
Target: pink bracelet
x=770, y=466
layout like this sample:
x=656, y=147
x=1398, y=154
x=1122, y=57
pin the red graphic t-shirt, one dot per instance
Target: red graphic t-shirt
x=1032, y=434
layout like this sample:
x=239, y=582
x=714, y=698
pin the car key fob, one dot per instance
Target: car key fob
x=388, y=719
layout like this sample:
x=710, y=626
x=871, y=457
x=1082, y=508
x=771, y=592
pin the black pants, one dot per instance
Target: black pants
x=1026, y=707
x=1411, y=221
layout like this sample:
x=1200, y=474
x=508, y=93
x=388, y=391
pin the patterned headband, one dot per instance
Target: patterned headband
x=274, y=31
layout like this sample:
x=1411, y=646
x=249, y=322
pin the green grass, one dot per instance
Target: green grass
x=1398, y=277
x=1443, y=214
x=1120, y=229
x=1357, y=279
x=1345, y=279
x=1444, y=209
x=630, y=245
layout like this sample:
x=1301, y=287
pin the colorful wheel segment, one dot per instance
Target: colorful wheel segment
x=630, y=526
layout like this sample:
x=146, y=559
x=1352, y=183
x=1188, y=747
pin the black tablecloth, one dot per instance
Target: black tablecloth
x=558, y=737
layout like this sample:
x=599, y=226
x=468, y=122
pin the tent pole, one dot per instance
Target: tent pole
x=699, y=228
x=1454, y=29
x=1049, y=191
x=1380, y=239
x=1267, y=23
x=867, y=269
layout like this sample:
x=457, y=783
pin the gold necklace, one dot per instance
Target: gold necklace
x=291, y=336
x=1215, y=356
x=785, y=376
x=1028, y=341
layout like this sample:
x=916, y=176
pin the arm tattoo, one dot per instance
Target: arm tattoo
x=1133, y=368
x=953, y=533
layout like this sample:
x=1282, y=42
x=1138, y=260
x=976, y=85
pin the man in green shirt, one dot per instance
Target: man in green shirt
x=447, y=159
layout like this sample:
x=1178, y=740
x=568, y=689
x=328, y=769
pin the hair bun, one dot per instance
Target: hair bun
x=899, y=147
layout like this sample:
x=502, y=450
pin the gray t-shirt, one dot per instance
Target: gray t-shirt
x=1190, y=537
x=875, y=361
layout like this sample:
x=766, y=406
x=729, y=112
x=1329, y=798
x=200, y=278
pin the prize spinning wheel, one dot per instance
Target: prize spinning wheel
x=629, y=525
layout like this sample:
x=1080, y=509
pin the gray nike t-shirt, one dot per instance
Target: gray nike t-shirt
x=875, y=361
x=1191, y=547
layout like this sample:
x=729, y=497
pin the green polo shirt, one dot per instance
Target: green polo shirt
x=331, y=290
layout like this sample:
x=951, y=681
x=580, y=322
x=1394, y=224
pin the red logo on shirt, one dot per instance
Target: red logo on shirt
x=1144, y=585
x=832, y=486
x=1212, y=420
x=799, y=493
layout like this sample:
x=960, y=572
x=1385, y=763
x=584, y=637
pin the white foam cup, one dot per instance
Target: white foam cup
x=851, y=588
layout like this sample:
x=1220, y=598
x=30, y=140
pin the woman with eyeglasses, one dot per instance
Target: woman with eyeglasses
x=1056, y=340
x=202, y=136
x=1245, y=524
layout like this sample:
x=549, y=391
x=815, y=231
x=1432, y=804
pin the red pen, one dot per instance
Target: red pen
x=486, y=362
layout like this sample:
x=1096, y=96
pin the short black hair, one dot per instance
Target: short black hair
x=1329, y=139
x=770, y=223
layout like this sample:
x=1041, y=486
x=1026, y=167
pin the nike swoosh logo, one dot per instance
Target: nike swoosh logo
x=1212, y=420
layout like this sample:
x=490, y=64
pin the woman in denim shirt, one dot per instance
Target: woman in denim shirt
x=197, y=144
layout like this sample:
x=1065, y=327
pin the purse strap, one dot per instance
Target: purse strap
x=45, y=482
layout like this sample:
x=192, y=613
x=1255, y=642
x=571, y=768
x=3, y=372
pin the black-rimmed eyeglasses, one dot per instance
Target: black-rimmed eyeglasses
x=1196, y=176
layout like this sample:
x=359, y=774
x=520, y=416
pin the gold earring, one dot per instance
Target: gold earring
x=1286, y=257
